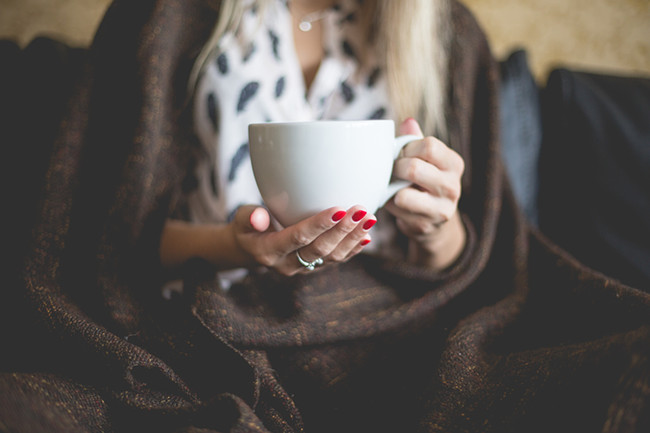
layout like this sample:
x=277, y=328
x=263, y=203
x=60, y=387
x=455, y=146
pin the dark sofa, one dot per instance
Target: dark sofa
x=577, y=152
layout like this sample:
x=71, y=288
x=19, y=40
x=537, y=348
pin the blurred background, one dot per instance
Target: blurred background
x=603, y=35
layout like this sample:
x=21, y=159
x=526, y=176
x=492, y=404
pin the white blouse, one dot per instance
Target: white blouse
x=255, y=76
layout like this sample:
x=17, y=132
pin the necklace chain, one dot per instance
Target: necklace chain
x=306, y=21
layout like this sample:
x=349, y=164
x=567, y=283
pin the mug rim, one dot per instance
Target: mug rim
x=317, y=123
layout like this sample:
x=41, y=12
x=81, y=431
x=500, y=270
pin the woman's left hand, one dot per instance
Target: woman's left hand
x=427, y=211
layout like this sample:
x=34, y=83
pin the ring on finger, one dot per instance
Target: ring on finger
x=310, y=266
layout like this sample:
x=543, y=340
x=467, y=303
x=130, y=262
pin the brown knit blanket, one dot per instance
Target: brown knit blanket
x=516, y=337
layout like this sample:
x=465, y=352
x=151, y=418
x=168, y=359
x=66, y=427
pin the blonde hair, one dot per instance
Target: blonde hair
x=410, y=38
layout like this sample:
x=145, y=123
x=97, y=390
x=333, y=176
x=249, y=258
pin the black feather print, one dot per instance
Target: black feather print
x=347, y=92
x=279, y=87
x=348, y=50
x=275, y=44
x=213, y=182
x=374, y=76
x=240, y=156
x=222, y=63
x=212, y=111
x=378, y=114
x=349, y=18
x=246, y=95
x=249, y=51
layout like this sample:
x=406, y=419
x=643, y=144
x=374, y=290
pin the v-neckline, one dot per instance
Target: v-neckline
x=331, y=71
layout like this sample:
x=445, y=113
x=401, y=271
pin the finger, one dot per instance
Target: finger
x=429, y=177
x=251, y=218
x=422, y=203
x=416, y=228
x=306, y=231
x=412, y=201
x=358, y=248
x=323, y=246
x=260, y=220
x=434, y=151
x=419, y=216
x=349, y=243
x=410, y=126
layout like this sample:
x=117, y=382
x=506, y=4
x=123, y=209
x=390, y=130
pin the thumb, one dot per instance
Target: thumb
x=252, y=218
x=410, y=126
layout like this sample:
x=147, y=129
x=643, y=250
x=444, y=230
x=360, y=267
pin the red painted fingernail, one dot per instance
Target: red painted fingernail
x=358, y=215
x=365, y=242
x=338, y=216
x=368, y=225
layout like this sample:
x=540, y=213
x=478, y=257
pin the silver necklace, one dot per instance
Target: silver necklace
x=305, y=24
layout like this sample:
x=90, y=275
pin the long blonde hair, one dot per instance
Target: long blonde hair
x=410, y=38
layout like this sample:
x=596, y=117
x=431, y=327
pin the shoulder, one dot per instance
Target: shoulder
x=472, y=89
x=466, y=32
x=155, y=22
x=153, y=37
x=470, y=58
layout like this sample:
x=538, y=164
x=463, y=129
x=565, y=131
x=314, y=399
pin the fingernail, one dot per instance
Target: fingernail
x=358, y=215
x=368, y=224
x=365, y=242
x=338, y=216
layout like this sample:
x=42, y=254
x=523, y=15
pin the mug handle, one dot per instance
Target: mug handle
x=396, y=185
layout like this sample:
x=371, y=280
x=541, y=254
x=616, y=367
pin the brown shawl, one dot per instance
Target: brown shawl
x=516, y=336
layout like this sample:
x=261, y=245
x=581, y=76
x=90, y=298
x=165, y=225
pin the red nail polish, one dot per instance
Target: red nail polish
x=338, y=216
x=358, y=215
x=365, y=242
x=368, y=225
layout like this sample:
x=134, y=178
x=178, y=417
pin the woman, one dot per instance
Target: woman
x=480, y=324
x=350, y=44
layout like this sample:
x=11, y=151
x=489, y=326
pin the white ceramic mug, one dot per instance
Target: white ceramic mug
x=302, y=168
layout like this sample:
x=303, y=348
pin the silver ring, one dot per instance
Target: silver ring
x=310, y=266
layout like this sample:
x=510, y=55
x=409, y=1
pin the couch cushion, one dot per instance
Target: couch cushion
x=521, y=130
x=595, y=171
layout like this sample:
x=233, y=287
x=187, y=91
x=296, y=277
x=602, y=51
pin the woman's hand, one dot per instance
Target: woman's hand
x=427, y=211
x=333, y=235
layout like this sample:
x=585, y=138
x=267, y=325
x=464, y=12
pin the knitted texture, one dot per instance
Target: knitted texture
x=515, y=336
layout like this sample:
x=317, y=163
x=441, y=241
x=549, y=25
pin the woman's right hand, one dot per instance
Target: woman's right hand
x=334, y=235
